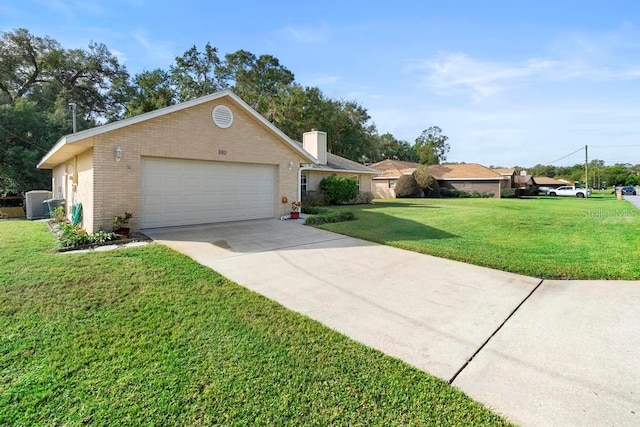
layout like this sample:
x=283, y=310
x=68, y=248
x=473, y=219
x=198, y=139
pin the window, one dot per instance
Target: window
x=357, y=178
x=303, y=183
x=392, y=183
x=466, y=184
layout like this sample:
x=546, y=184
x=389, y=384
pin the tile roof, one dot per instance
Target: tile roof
x=505, y=171
x=336, y=162
x=394, y=168
x=463, y=171
x=545, y=180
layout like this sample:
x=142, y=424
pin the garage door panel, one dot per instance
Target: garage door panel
x=181, y=192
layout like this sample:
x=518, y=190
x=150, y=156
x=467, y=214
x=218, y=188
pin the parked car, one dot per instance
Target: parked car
x=569, y=191
x=628, y=190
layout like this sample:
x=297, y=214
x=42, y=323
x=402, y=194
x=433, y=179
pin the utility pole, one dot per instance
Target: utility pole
x=73, y=113
x=586, y=170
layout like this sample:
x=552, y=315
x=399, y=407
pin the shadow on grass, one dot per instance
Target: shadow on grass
x=401, y=205
x=384, y=228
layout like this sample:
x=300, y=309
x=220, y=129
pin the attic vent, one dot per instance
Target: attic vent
x=222, y=116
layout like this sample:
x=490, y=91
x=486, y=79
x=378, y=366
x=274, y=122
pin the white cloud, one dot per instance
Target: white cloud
x=459, y=73
x=322, y=80
x=158, y=53
x=311, y=33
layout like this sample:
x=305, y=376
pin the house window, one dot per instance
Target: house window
x=466, y=184
x=392, y=183
x=303, y=183
x=357, y=178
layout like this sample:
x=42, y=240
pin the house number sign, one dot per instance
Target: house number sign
x=222, y=152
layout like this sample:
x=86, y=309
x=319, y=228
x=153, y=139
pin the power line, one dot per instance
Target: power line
x=564, y=157
x=22, y=139
x=614, y=146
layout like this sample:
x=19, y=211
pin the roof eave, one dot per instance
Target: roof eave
x=66, y=140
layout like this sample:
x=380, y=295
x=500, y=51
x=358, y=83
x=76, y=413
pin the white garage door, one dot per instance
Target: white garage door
x=186, y=192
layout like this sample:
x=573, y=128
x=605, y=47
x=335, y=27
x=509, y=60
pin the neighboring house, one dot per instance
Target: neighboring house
x=212, y=159
x=467, y=177
x=507, y=173
x=545, y=181
x=470, y=177
x=390, y=170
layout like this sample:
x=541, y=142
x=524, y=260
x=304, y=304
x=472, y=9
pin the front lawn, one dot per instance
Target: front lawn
x=546, y=237
x=146, y=336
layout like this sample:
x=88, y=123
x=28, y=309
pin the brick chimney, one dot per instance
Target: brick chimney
x=315, y=143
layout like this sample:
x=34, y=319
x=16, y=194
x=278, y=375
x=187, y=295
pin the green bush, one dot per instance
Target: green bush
x=364, y=198
x=339, y=189
x=313, y=210
x=407, y=186
x=508, y=193
x=330, y=216
x=315, y=198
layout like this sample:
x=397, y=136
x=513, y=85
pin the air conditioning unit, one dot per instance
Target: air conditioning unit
x=33, y=202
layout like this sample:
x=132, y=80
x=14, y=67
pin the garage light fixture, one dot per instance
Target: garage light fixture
x=118, y=154
x=291, y=165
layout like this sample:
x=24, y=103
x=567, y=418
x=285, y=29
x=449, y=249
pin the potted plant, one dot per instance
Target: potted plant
x=295, y=210
x=119, y=221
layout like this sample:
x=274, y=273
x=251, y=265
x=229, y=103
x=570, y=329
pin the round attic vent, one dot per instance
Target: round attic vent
x=222, y=116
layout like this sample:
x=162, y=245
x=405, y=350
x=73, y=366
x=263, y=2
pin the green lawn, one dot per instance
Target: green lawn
x=145, y=336
x=546, y=237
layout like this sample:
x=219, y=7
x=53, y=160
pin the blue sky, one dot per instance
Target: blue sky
x=510, y=82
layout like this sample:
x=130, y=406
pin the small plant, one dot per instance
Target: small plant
x=58, y=214
x=74, y=236
x=295, y=206
x=120, y=220
x=330, y=217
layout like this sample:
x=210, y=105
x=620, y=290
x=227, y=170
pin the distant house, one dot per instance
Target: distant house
x=545, y=181
x=384, y=183
x=470, y=177
x=467, y=177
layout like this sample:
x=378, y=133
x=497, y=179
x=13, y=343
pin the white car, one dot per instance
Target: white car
x=567, y=190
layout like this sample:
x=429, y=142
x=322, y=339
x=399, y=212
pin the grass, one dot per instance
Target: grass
x=147, y=336
x=546, y=237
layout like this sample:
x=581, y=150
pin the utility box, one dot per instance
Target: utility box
x=33, y=202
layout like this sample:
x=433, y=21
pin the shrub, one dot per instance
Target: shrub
x=407, y=187
x=339, y=189
x=315, y=198
x=434, y=191
x=508, y=193
x=364, y=198
x=445, y=192
x=313, y=210
x=330, y=216
x=458, y=194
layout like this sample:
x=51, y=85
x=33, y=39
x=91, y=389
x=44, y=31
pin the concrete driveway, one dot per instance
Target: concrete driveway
x=538, y=352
